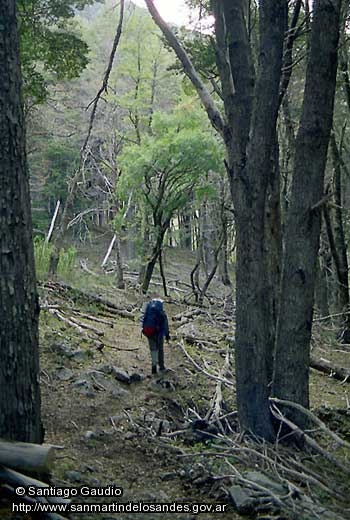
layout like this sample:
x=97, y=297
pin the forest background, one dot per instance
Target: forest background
x=152, y=168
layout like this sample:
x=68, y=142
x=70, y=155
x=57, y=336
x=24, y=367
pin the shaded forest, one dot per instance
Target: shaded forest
x=207, y=165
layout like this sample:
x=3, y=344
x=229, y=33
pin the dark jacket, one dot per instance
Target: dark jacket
x=155, y=316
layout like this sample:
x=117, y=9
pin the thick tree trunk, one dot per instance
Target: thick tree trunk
x=19, y=368
x=254, y=318
x=291, y=375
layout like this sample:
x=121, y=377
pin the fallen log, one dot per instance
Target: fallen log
x=61, y=287
x=30, y=458
x=325, y=366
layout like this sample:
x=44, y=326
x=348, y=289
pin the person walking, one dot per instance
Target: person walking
x=155, y=327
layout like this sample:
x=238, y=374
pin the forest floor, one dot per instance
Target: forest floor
x=156, y=436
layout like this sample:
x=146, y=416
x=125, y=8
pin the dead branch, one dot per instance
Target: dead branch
x=309, y=440
x=93, y=318
x=83, y=265
x=110, y=247
x=325, y=366
x=198, y=367
x=104, y=85
x=213, y=414
x=52, y=224
x=313, y=418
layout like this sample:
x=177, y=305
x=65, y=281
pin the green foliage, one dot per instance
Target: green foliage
x=42, y=253
x=66, y=263
x=60, y=161
x=51, y=48
x=171, y=161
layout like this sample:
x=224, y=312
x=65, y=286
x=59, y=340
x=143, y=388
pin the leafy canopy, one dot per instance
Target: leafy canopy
x=50, y=44
x=171, y=161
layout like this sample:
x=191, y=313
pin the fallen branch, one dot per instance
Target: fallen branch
x=23, y=456
x=313, y=418
x=198, y=367
x=213, y=414
x=325, y=366
x=309, y=440
x=93, y=318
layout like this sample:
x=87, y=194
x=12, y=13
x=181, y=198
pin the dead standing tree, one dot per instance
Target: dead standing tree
x=73, y=184
x=251, y=103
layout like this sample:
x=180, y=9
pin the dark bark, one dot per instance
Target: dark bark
x=339, y=235
x=224, y=274
x=119, y=278
x=212, y=273
x=291, y=375
x=156, y=251
x=321, y=288
x=19, y=369
x=161, y=270
x=249, y=181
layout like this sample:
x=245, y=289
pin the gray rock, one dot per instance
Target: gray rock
x=63, y=348
x=84, y=387
x=262, y=480
x=121, y=375
x=64, y=374
x=135, y=377
x=241, y=499
x=81, y=355
x=106, y=369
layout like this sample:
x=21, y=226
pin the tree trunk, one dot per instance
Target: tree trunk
x=291, y=375
x=156, y=251
x=19, y=368
x=254, y=318
x=119, y=279
x=340, y=250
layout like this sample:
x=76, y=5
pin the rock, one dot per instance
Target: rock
x=63, y=348
x=135, y=377
x=262, y=480
x=106, y=369
x=121, y=375
x=241, y=499
x=165, y=384
x=84, y=387
x=81, y=355
x=94, y=380
x=64, y=374
x=73, y=476
x=188, y=330
x=118, y=392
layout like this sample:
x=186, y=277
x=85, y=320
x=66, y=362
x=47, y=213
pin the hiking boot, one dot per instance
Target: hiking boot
x=154, y=369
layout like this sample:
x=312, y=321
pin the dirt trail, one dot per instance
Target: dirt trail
x=109, y=428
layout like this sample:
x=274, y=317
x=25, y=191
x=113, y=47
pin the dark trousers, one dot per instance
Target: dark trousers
x=156, y=345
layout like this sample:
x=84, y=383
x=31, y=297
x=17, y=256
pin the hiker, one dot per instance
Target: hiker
x=155, y=327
